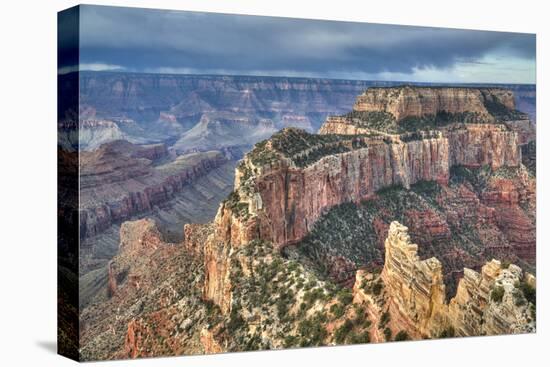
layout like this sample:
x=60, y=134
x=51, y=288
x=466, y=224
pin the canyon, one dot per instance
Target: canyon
x=164, y=108
x=284, y=185
x=120, y=180
x=310, y=248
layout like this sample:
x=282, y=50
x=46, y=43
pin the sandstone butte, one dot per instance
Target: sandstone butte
x=408, y=101
x=280, y=191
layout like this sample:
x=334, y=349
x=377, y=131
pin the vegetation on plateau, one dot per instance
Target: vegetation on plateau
x=302, y=147
x=280, y=298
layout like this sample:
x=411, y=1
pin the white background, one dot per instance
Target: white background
x=28, y=181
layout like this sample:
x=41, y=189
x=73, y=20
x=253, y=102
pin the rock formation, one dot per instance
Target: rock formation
x=230, y=232
x=514, y=201
x=195, y=236
x=477, y=145
x=294, y=197
x=120, y=180
x=139, y=239
x=284, y=185
x=415, y=286
x=488, y=303
x=229, y=286
x=410, y=101
x=157, y=294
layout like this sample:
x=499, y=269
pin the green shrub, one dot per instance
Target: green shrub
x=345, y=296
x=361, y=338
x=497, y=293
x=290, y=341
x=387, y=334
x=401, y=335
x=384, y=319
x=235, y=320
x=377, y=288
x=312, y=296
x=448, y=332
x=312, y=330
x=337, y=310
x=343, y=331
x=360, y=315
x=529, y=292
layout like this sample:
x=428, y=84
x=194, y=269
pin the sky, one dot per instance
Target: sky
x=162, y=41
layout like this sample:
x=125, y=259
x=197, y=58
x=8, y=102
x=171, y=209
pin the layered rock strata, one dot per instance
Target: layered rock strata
x=486, y=303
x=410, y=101
x=292, y=198
x=156, y=296
x=280, y=201
x=139, y=239
x=117, y=183
x=230, y=232
x=513, y=200
x=285, y=184
x=476, y=145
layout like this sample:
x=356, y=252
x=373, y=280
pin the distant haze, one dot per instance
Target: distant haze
x=162, y=41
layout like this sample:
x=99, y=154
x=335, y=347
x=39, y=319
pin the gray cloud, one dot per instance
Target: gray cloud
x=148, y=40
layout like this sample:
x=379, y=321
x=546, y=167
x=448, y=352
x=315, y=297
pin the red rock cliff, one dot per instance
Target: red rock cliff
x=287, y=183
x=116, y=186
x=292, y=198
x=408, y=101
x=486, y=303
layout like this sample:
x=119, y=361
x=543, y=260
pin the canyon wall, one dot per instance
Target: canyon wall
x=341, y=126
x=404, y=102
x=293, y=198
x=514, y=202
x=281, y=201
x=487, y=303
x=230, y=232
x=279, y=195
x=115, y=187
x=138, y=240
x=416, y=286
x=477, y=145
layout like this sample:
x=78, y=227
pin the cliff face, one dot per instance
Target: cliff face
x=460, y=187
x=404, y=102
x=481, y=144
x=280, y=197
x=514, y=200
x=139, y=239
x=186, y=98
x=281, y=202
x=487, y=303
x=117, y=183
x=415, y=286
x=155, y=295
x=286, y=184
x=341, y=126
x=230, y=233
x=293, y=198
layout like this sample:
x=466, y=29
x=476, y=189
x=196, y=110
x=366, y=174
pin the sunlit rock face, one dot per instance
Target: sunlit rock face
x=487, y=303
x=404, y=102
x=230, y=286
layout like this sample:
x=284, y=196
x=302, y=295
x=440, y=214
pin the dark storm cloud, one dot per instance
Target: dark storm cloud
x=148, y=40
x=67, y=37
